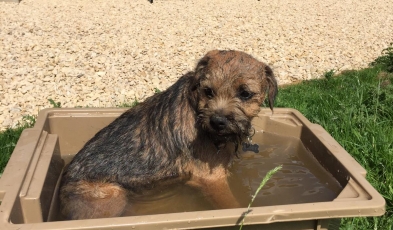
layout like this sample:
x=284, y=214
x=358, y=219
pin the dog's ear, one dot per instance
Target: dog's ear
x=272, y=84
x=199, y=72
x=197, y=75
x=201, y=69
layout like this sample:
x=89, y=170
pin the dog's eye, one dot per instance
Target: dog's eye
x=208, y=92
x=245, y=95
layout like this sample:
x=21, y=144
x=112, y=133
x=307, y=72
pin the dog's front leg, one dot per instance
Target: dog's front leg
x=219, y=194
x=216, y=189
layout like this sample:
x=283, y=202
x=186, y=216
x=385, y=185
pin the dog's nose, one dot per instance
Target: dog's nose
x=218, y=123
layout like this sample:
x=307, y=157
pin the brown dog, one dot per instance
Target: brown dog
x=188, y=133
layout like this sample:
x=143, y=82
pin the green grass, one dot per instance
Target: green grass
x=356, y=108
x=385, y=61
x=129, y=104
x=261, y=185
x=8, y=139
x=54, y=104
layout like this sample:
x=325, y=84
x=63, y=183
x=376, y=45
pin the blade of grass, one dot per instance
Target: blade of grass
x=264, y=181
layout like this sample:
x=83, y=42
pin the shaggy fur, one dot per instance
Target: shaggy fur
x=186, y=134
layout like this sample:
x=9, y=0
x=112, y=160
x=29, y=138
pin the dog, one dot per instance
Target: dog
x=187, y=134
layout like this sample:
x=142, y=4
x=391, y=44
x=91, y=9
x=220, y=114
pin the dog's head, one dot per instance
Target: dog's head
x=231, y=86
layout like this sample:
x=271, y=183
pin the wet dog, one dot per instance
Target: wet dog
x=188, y=134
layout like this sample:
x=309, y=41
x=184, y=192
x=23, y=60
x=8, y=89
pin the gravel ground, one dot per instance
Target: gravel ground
x=104, y=52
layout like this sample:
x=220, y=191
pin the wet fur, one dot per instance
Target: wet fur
x=168, y=138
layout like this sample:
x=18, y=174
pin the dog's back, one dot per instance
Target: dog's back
x=130, y=155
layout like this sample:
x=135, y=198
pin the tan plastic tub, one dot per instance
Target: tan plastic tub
x=28, y=187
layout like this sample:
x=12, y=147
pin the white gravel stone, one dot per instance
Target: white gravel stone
x=103, y=53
